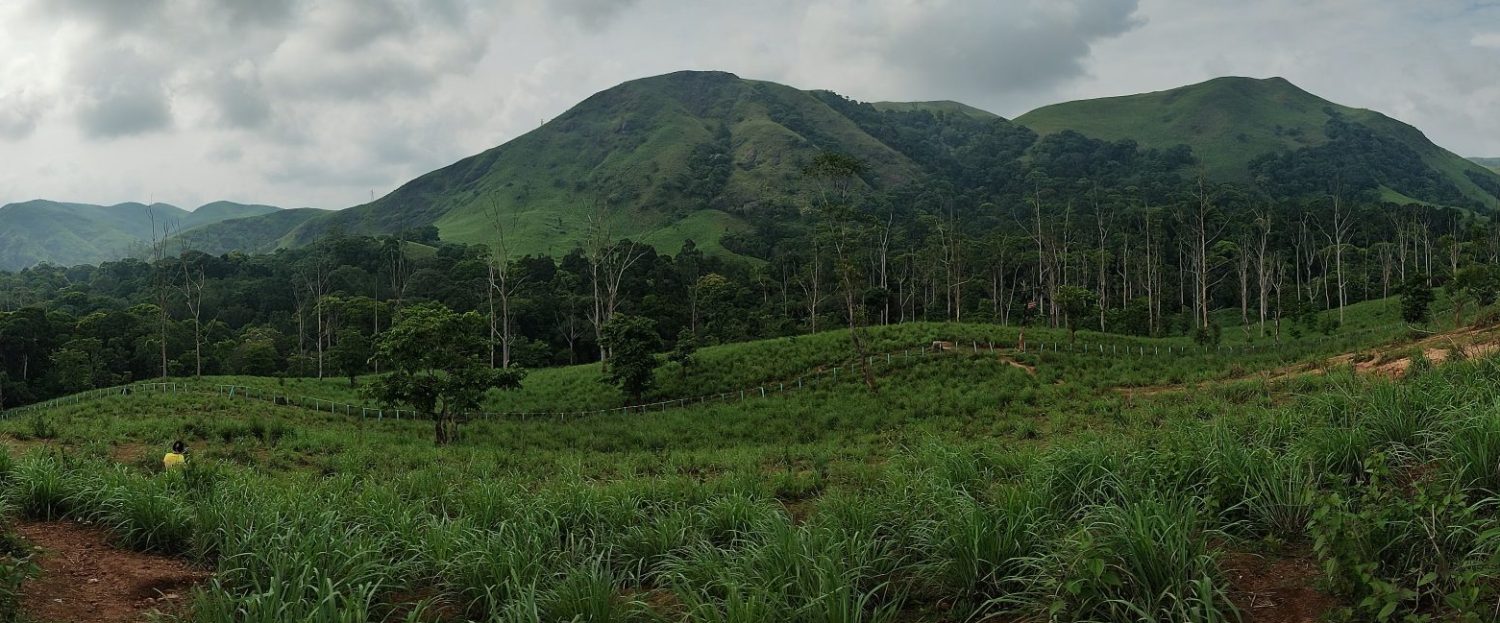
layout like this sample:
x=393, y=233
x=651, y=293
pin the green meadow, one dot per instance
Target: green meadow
x=976, y=485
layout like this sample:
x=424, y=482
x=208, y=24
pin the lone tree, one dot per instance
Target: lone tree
x=350, y=354
x=685, y=353
x=837, y=179
x=1076, y=304
x=1416, y=300
x=439, y=366
x=632, y=342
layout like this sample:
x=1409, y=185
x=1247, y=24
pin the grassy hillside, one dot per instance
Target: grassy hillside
x=946, y=106
x=969, y=489
x=249, y=234
x=1229, y=122
x=75, y=233
x=684, y=155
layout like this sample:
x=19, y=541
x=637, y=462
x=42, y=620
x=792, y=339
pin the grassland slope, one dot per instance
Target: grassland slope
x=1229, y=122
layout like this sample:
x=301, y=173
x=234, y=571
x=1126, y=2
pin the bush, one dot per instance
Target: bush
x=15, y=567
x=1146, y=560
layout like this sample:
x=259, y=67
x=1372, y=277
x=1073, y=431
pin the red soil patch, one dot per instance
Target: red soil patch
x=1276, y=590
x=84, y=579
x=1027, y=368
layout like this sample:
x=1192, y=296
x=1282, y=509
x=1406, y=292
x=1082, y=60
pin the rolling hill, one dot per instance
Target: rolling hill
x=38, y=231
x=1235, y=125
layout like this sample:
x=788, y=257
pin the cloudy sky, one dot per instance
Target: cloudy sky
x=323, y=102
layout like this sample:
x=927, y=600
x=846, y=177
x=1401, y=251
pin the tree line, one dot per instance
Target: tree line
x=1144, y=256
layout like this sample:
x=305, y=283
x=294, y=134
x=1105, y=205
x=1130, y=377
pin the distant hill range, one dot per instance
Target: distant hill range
x=1271, y=132
x=702, y=155
x=78, y=233
x=1492, y=164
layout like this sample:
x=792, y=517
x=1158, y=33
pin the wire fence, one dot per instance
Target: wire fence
x=817, y=378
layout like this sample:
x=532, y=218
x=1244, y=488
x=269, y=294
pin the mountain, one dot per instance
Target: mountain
x=717, y=159
x=1492, y=164
x=38, y=231
x=679, y=156
x=1246, y=129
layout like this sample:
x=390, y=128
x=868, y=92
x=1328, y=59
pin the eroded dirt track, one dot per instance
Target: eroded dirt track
x=85, y=579
x=1277, y=590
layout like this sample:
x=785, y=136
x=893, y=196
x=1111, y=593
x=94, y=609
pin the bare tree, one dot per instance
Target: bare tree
x=1203, y=233
x=313, y=277
x=1102, y=227
x=810, y=279
x=503, y=282
x=160, y=282
x=1337, y=234
x=398, y=269
x=1263, y=221
x=609, y=260
x=882, y=266
x=193, y=282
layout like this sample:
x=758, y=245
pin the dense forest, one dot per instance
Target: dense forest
x=1097, y=235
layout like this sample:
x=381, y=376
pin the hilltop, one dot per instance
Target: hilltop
x=1256, y=130
x=38, y=231
x=684, y=155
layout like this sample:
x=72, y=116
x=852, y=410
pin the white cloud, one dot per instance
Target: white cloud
x=1486, y=40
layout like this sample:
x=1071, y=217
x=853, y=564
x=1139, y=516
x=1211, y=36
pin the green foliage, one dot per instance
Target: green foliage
x=1076, y=304
x=1065, y=501
x=16, y=567
x=437, y=366
x=1416, y=300
x=350, y=354
x=631, y=342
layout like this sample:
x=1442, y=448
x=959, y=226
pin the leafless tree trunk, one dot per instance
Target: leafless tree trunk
x=1337, y=235
x=160, y=282
x=608, y=264
x=502, y=282
x=1203, y=234
x=192, y=292
x=314, y=277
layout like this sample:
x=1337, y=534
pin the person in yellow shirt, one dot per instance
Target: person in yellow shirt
x=175, y=459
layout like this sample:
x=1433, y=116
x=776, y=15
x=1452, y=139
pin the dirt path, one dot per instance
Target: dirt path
x=1276, y=590
x=84, y=579
x=1390, y=361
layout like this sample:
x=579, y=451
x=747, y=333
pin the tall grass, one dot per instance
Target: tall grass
x=967, y=490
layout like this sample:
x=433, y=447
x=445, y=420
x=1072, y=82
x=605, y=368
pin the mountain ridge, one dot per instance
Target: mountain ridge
x=1230, y=121
x=710, y=157
x=68, y=233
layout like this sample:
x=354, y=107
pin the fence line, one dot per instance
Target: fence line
x=825, y=376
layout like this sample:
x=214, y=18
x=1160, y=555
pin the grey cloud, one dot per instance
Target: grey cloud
x=238, y=96
x=354, y=26
x=363, y=50
x=225, y=153
x=19, y=113
x=256, y=12
x=121, y=93
x=124, y=112
x=592, y=15
x=112, y=16
x=962, y=49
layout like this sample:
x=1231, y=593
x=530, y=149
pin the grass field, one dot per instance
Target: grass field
x=968, y=489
